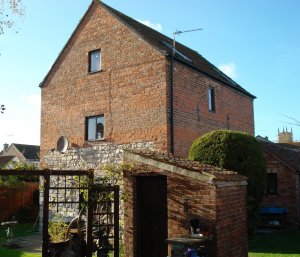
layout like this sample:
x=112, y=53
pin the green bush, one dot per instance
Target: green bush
x=236, y=151
x=13, y=180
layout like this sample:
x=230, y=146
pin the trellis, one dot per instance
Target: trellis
x=67, y=188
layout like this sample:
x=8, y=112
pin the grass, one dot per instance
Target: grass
x=20, y=230
x=15, y=253
x=278, y=243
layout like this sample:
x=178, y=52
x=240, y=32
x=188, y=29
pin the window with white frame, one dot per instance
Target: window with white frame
x=94, y=128
x=94, y=61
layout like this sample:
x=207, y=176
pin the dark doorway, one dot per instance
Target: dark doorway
x=152, y=216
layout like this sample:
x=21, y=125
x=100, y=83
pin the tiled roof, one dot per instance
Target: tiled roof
x=286, y=153
x=183, y=54
x=163, y=44
x=217, y=173
x=30, y=152
x=5, y=159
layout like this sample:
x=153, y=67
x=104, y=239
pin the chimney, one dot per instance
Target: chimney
x=5, y=147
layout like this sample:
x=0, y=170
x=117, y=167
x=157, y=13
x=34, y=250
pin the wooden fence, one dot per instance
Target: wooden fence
x=14, y=198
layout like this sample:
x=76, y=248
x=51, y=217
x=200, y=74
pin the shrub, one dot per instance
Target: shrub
x=238, y=152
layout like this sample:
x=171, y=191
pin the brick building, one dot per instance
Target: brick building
x=165, y=193
x=117, y=84
x=283, y=177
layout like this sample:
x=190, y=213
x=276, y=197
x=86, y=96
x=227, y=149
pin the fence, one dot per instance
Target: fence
x=14, y=198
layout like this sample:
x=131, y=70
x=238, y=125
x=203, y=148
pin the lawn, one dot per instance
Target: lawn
x=278, y=243
x=19, y=231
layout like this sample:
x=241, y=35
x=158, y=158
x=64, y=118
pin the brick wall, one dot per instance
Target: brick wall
x=287, y=188
x=192, y=117
x=220, y=209
x=129, y=90
x=231, y=221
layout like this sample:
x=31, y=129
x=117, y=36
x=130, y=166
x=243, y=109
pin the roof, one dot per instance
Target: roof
x=30, y=152
x=6, y=159
x=175, y=164
x=164, y=44
x=287, y=154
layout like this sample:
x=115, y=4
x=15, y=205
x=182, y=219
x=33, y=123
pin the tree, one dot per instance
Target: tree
x=292, y=121
x=238, y=152
x=9, y=11
x=2, y=108
x=12, y=180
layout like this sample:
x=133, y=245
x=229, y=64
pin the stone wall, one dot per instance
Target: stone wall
x=92, y=157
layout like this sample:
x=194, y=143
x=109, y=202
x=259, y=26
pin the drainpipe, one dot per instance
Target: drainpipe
x=171, y=116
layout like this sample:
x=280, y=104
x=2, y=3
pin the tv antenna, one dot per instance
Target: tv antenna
x=178, y=32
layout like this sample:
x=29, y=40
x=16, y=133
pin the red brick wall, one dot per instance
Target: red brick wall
x=130, y=90
x=12, y=199
x=222, y=210
x=286, y=188
x=232, y=236
x=191, y=115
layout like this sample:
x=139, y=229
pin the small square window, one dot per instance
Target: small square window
x=94, y=61
x=211, y=99
x=271, y=183
x=94, y=128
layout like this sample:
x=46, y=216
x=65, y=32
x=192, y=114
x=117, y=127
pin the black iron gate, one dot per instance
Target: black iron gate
x=67, y=190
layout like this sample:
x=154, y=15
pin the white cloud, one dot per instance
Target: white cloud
x=229, y=69
x=156, y=26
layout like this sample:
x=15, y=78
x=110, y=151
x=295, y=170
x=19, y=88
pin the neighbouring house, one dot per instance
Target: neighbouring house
x=117, y=84
x=164, y=194
x=5, y=160
x=29, y=154
x=283, y=177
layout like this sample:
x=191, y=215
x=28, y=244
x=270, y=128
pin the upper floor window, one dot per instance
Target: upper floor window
x=211, y=99
x=272, y=184
x=95, y=128
x=94, y=61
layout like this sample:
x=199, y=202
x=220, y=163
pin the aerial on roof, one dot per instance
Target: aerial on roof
x=164, y=45
x=286, y=153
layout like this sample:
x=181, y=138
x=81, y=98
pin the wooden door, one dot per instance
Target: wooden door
x=152, y=216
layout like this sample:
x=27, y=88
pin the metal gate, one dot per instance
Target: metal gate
x=65, y=190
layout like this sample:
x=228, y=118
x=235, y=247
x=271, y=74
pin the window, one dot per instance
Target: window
x=211, y=99
x=95, y=128
x=271, y=183
x=94, y=61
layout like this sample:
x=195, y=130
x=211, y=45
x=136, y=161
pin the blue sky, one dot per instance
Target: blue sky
x=257, y=43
